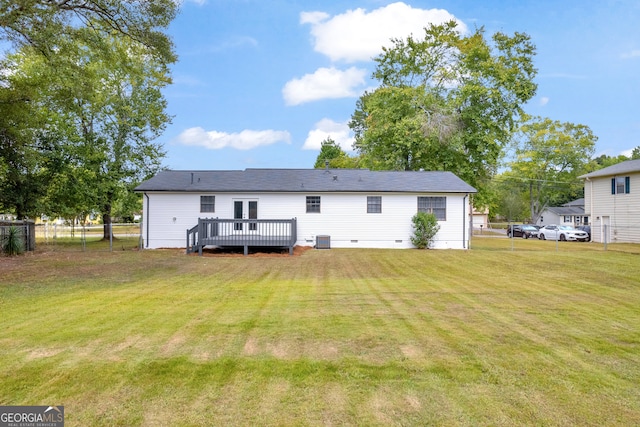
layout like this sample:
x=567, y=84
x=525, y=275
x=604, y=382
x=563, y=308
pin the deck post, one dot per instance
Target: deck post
x=199, y=237
x=294, y=235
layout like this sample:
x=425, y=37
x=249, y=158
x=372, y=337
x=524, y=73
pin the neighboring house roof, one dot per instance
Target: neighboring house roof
x=566, y=210
x=629, y=166
x=306, y=181
x=577, y=202
x=575, y=207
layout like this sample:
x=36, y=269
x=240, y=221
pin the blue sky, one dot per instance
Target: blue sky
x=260, y=83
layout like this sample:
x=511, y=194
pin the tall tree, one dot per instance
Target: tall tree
x=28, y=145
x=549, y=156
x=445, y=102
x=41, y=23
x=335, y=156
x=103, y=63
x=603, y=161
x=118, y=116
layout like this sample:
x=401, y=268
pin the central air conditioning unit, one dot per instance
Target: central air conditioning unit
x=323, y=242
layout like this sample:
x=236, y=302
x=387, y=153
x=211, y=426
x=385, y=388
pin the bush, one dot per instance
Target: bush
x=425, y=228
x=12, y=241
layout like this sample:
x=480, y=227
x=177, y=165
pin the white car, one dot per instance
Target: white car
x=562, y=232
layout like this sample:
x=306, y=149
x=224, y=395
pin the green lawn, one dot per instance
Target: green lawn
x=542, y=335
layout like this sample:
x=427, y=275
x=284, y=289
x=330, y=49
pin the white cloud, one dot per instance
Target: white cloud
x=544, y=101
x=358, y=35
x=245, y=140
x=632, y=54
x=326, y=128
x=324, y=83
x=313, y=17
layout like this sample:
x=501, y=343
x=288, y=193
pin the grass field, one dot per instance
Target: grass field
x=542, y=335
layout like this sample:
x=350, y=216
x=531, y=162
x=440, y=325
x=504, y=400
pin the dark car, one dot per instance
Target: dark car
x=522, y=230
x=586, y=229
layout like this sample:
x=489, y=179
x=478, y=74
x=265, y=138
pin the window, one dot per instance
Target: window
x=434, y=205
x=313, y=204
x=374, y=204
x=207, y=203
x=620, y=185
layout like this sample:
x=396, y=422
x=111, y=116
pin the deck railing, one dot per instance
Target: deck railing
x=242, y=232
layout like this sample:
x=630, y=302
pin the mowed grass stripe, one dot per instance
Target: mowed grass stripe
x=372, y=337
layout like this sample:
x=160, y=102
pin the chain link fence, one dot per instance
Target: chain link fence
x=22, y=231
x=601, y=237
x=78, y=238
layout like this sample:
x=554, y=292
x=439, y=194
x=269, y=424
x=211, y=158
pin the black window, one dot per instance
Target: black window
x=313, y=204
x=374, y=204
x=207, y=203
x=434, y=205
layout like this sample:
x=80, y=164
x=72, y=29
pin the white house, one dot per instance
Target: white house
x=571, y=213
x=346, y=207
x=480, y=218
x=612, y=200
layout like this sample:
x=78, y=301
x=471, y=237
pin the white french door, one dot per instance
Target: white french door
x=245, y=209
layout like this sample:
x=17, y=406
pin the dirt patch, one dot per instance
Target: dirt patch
x=257, y=252
x=42, y=353
x=173, y=344
x=411, y=351
x=250, y=347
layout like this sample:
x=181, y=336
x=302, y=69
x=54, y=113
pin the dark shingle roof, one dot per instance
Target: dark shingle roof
x=305, y=180
x=577, y=202
x=567, y=210
x=629, y=166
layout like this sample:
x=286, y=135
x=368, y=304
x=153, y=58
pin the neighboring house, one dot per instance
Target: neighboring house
x=480, y=218
x=353, y=208
x=571, y=213
x=612, y=200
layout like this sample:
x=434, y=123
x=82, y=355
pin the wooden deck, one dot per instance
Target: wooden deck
x=242, y=233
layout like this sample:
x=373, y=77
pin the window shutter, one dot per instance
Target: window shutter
x=627, y=184
x=613, y=186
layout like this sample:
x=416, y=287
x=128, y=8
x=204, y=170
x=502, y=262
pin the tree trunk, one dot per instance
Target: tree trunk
x=534, y=218
x=106, y=221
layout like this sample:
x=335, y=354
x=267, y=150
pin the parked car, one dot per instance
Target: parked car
x=562, y=232
x=586, y=229
x=522, y=230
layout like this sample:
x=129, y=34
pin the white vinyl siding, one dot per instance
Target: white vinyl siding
x=620, y=209
x=342, y=217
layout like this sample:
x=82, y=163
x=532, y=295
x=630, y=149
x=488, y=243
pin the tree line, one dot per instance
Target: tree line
x=453, y=102
x=81, y=104
x=81, y=108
